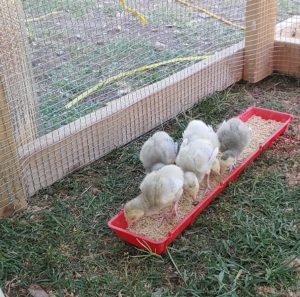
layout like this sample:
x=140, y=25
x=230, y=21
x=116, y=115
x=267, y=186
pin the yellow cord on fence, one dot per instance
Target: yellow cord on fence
x=43, y=16
x=215, y=16
x=112, y=79
x=134, y=12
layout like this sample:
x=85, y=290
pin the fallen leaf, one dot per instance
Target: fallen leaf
x=263, y=290
x=37, y=291
x=295, y=264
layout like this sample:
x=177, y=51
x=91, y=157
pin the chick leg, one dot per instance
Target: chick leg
x=232, y=166
x=164, y=216
x=208, y=187
x=175, y=209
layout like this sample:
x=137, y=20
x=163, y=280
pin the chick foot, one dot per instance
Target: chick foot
x=232, y=167
x=164, y=217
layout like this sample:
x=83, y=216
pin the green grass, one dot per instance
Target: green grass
x=240, y=242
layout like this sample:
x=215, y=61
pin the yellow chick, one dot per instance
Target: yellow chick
x=159, y=190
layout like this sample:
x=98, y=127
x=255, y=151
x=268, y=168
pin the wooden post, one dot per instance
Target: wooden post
x=16, y=72
x=12, y=196
x=259, y=39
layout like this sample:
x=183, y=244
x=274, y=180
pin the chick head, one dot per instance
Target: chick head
x=216, y=166
x=191, y=184
x=228, y=158
x=133, y=212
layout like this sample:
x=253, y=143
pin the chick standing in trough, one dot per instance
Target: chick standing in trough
x=198, y=130
x=197, y=157
x=159, y=190
x=234, y=135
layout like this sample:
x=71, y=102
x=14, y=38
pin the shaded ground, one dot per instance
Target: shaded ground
x=239, y=246
x=92, y=40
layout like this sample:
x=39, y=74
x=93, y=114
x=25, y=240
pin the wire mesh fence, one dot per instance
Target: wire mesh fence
x=69, y=70
x=79, y=44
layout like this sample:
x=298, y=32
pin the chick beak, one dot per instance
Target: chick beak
x=195, y=202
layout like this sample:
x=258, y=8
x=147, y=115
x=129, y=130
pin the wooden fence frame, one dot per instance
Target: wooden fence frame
x=42, y=161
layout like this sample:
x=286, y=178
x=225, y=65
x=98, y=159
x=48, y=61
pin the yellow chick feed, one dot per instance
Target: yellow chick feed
x=149, y=226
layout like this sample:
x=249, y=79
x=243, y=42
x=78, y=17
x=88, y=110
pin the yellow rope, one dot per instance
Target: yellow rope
x=134, y=12
x=44, y=16
x=215, y=16
x=101, y=84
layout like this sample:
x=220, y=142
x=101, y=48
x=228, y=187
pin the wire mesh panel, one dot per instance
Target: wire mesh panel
x=92, y=52
x=82, y=77
x=287, y=38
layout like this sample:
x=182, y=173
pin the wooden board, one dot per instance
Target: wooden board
x=68, y=148
x=259, y=39
x=12, y=196
x=287, y=47
x=287, y=58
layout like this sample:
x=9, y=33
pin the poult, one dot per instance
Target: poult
x=197, y=129
x=159, y=150
x=234, y=135
x=198, y=157
x=159, y=190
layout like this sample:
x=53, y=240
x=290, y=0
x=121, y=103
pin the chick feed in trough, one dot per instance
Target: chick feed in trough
x=266, y=126
x=149, y=227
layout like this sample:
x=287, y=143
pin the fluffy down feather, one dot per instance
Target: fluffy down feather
x=159, y=190
x=157, y=151
x=197, y=129
x=234, y=135
x=191, y=185
x=197, y=157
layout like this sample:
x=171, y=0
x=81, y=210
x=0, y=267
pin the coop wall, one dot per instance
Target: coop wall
x=80, y=80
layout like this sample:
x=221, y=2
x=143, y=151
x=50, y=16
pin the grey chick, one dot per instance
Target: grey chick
x=198, y=157
x=234, y=135
x=197, y=129
x=159, y=150
x=159, y=190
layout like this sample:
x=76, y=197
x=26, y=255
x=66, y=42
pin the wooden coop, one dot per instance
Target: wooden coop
x=31, y=160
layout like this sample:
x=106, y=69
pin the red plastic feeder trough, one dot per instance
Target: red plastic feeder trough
x=119, y=225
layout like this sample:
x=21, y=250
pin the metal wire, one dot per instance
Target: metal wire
x=52, y=52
